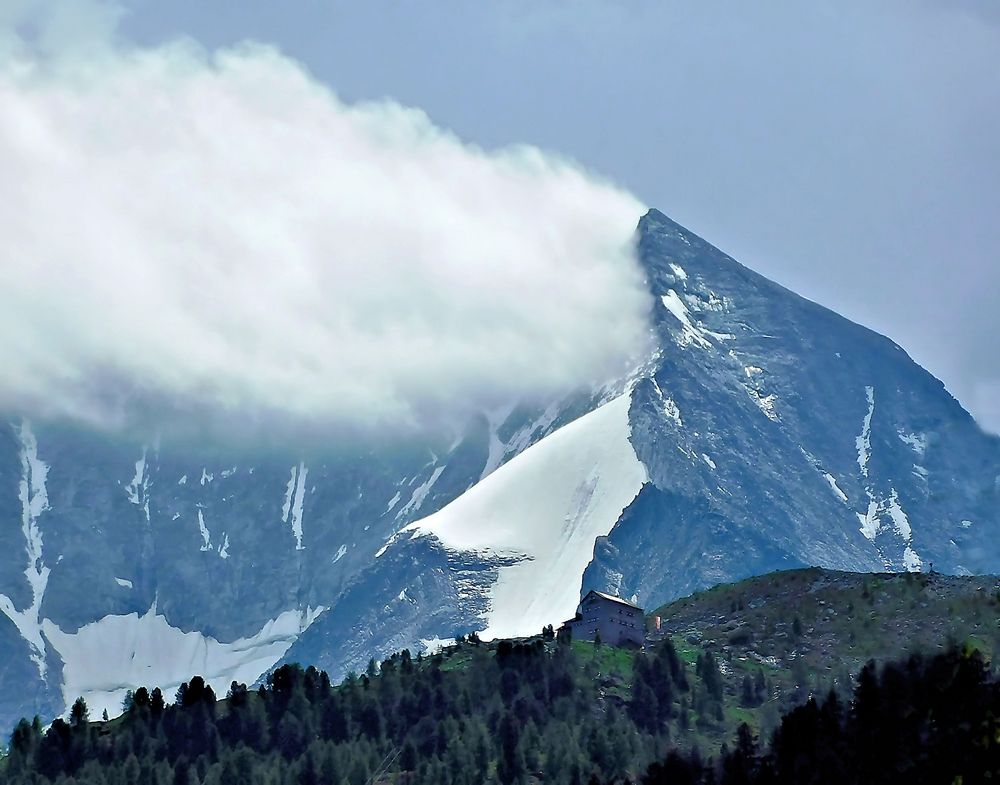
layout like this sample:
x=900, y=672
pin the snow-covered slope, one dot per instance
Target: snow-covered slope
x=544, y=509
x=104, y=659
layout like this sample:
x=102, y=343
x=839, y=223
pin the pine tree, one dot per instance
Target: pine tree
x=79, y=714
x=747, y=695
x=759, y=686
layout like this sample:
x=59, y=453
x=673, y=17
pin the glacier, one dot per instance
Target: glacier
x=544, y=508
x=106, y=658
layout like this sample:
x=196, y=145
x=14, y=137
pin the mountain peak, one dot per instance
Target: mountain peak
x=656, y=222
x=669, y=252
x=654, y=217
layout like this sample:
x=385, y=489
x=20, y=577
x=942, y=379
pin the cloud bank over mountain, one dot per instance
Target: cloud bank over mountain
x=848, y=150
x=217, y=227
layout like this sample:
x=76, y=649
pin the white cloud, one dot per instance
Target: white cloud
x=218, y=228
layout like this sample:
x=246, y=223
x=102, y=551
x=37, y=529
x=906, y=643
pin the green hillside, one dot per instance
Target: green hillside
x=809, y=630
x=540, y=710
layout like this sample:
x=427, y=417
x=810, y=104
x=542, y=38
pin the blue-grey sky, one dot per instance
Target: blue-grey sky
x=849, y=150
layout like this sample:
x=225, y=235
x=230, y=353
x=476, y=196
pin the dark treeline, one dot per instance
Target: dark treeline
x=927, y=720
x=521, y=713
x=503, y=714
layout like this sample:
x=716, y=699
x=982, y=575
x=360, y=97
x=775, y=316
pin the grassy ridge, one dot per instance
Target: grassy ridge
x=801, y=632
x=810, y=630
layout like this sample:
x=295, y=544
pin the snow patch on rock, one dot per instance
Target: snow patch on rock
x=691, y=332
x=764, y=402
x=915, y=441
x=869, y=520
x=911, y=560
x=667, y=404
x=206, y=536
x=420, y=493
x=34, y=499
x=864, y=440
x=295, y=497
x=834, y=487
x=872, y=525
x=435, y=645
x=898, y=517
x=521, y=438
x=497, y=448
x=298, y=505
x=138, y=488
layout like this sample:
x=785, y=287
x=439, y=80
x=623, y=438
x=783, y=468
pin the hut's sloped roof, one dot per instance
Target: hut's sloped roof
x=612, y=598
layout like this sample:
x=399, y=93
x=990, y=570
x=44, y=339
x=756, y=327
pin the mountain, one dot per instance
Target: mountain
x=765, y=432
x=126, y=561
x=799, y=438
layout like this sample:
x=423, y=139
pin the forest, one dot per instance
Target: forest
x=523, y=712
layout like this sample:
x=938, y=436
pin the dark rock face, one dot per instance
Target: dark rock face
x=794, y=437
x=444, y=594
x=773, y=432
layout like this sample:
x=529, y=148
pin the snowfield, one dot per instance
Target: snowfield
x=104, y=659
x=546, y=506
